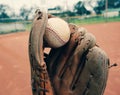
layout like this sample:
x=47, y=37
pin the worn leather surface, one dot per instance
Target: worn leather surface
x=40, y=82
x=78, y=68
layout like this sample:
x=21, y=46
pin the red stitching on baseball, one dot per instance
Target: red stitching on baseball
x=56, y=35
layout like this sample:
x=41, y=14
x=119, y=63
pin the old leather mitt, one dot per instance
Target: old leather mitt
x=78, y=68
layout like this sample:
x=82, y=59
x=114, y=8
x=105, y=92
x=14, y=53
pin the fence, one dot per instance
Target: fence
x=91, y=19
x=13, y=25
x=16, y=25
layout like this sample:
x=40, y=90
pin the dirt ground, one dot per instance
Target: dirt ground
x=14, y=61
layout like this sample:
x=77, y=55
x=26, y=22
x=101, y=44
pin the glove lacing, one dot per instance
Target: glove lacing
x=40, y=78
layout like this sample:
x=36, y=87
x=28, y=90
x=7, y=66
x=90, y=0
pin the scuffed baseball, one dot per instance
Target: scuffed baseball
x=57, y=32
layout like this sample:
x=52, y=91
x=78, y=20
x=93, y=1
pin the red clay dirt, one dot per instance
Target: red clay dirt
x=14, y=61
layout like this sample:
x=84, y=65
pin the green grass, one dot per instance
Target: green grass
x=93, y=20
x=12, y=31
x=78, y=21
x=28, y=26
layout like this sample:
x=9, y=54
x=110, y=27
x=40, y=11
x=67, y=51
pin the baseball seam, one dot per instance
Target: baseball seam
x=56, y=35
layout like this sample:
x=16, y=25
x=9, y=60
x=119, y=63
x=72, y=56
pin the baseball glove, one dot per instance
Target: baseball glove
x=78, y=68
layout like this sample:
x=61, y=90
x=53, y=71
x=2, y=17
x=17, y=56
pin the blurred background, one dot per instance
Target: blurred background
x=17, y=15
x=100, y=17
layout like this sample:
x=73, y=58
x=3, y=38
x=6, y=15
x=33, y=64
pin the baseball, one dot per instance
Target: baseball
x=57, y=32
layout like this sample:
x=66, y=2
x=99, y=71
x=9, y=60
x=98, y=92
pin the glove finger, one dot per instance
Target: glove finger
x=67, y=66
x=58, y=57
x=63, y=52
x=74, y=64
x=93, y=77
x=56, y=53
x=61, y=56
